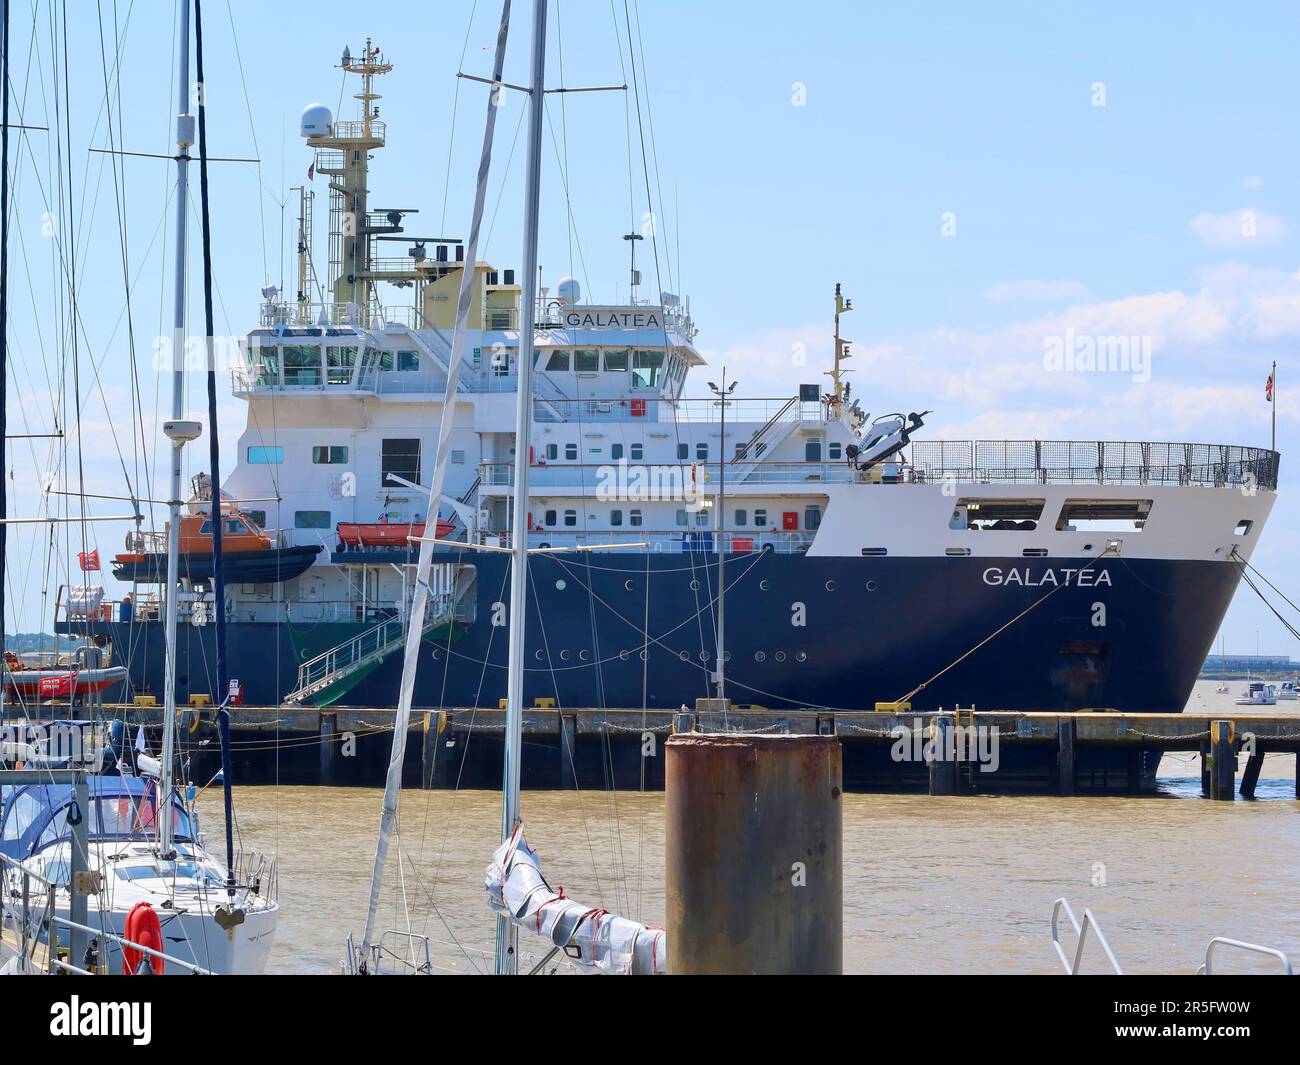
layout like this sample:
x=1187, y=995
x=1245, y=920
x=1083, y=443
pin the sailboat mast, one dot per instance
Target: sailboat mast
x=4, y=323
x=507, y=958
x=184, y=139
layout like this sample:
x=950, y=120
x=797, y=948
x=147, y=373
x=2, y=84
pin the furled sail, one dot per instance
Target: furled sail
x=594, y=939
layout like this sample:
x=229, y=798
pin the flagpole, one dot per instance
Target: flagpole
x=1274, y=379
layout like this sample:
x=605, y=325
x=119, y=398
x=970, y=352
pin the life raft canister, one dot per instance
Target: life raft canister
x=143, y=927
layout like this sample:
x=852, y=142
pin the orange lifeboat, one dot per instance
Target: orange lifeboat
x=386, y=533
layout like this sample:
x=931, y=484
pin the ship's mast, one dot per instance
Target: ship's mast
x=348, y=167
x=842, y=306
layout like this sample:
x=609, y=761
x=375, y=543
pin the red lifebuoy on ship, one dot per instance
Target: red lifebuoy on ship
x=143, y=927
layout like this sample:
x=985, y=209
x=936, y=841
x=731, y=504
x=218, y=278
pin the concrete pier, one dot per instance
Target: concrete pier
x=753, y=854
x=997, y=751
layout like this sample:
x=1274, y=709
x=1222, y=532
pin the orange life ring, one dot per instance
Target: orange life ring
x=143, y=927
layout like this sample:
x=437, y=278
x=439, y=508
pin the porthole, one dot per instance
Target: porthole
x=872, y=586
x=695, y=586
x=759, y=656
x=802, y=656
x=762, y=585
x=583, y=654
x=830, y=586
x=437, y=655
x=1087, y=547
x=560, y=585
x=625, y=655
x=538, y=654
x=704, y=656
x=779, y=656
x=644, y=656
x=629, y=585
x=685, y=656
x=564, y=655
x=726, y=656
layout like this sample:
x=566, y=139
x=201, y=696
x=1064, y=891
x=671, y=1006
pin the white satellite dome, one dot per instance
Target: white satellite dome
x=568, y=291
x=317, y=120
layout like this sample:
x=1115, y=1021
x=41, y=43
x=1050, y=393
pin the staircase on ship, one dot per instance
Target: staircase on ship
x=327, y=677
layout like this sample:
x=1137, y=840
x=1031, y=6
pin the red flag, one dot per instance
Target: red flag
x=311, y=172
x=1268, y=389
x=89, y=560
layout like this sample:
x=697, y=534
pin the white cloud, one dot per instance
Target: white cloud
x=1239, y=228
x=1036, y=291
x=1252, y=183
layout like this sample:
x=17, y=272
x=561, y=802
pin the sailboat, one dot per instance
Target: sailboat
x=157, y=879
x=517, y=892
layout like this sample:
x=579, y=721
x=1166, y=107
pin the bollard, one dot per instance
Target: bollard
x=753, y=854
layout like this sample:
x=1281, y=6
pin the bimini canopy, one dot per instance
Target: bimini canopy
x=35, y=816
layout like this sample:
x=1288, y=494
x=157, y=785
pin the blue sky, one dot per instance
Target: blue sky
x=979, y=177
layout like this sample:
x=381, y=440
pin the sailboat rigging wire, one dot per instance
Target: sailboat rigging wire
x=214, y=458
x=415, y=632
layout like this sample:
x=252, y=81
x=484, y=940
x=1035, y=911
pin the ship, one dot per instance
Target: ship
x=865, y=561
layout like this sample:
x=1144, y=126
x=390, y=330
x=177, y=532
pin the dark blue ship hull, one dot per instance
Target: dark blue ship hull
x=802, y=632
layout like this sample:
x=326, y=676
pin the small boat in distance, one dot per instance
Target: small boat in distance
x=1288, y=690
x=1257, y=693
x=57, y=682
x=248, y=553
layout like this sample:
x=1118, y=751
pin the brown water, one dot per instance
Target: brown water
x=961, y=884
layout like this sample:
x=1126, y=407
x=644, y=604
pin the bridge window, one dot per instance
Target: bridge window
x=616, y=359
x=559, y=360
x=408, y=360
x=311, y=519
x=301, y=365
x=1000, y=515
x=329, y=455
x=265, y=456
x=1103, y=515
x=646, y=368
x=586, y=360
x=400, y=456
x=339, y=363
x=265, y=360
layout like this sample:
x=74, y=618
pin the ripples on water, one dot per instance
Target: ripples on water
x=961, y=884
